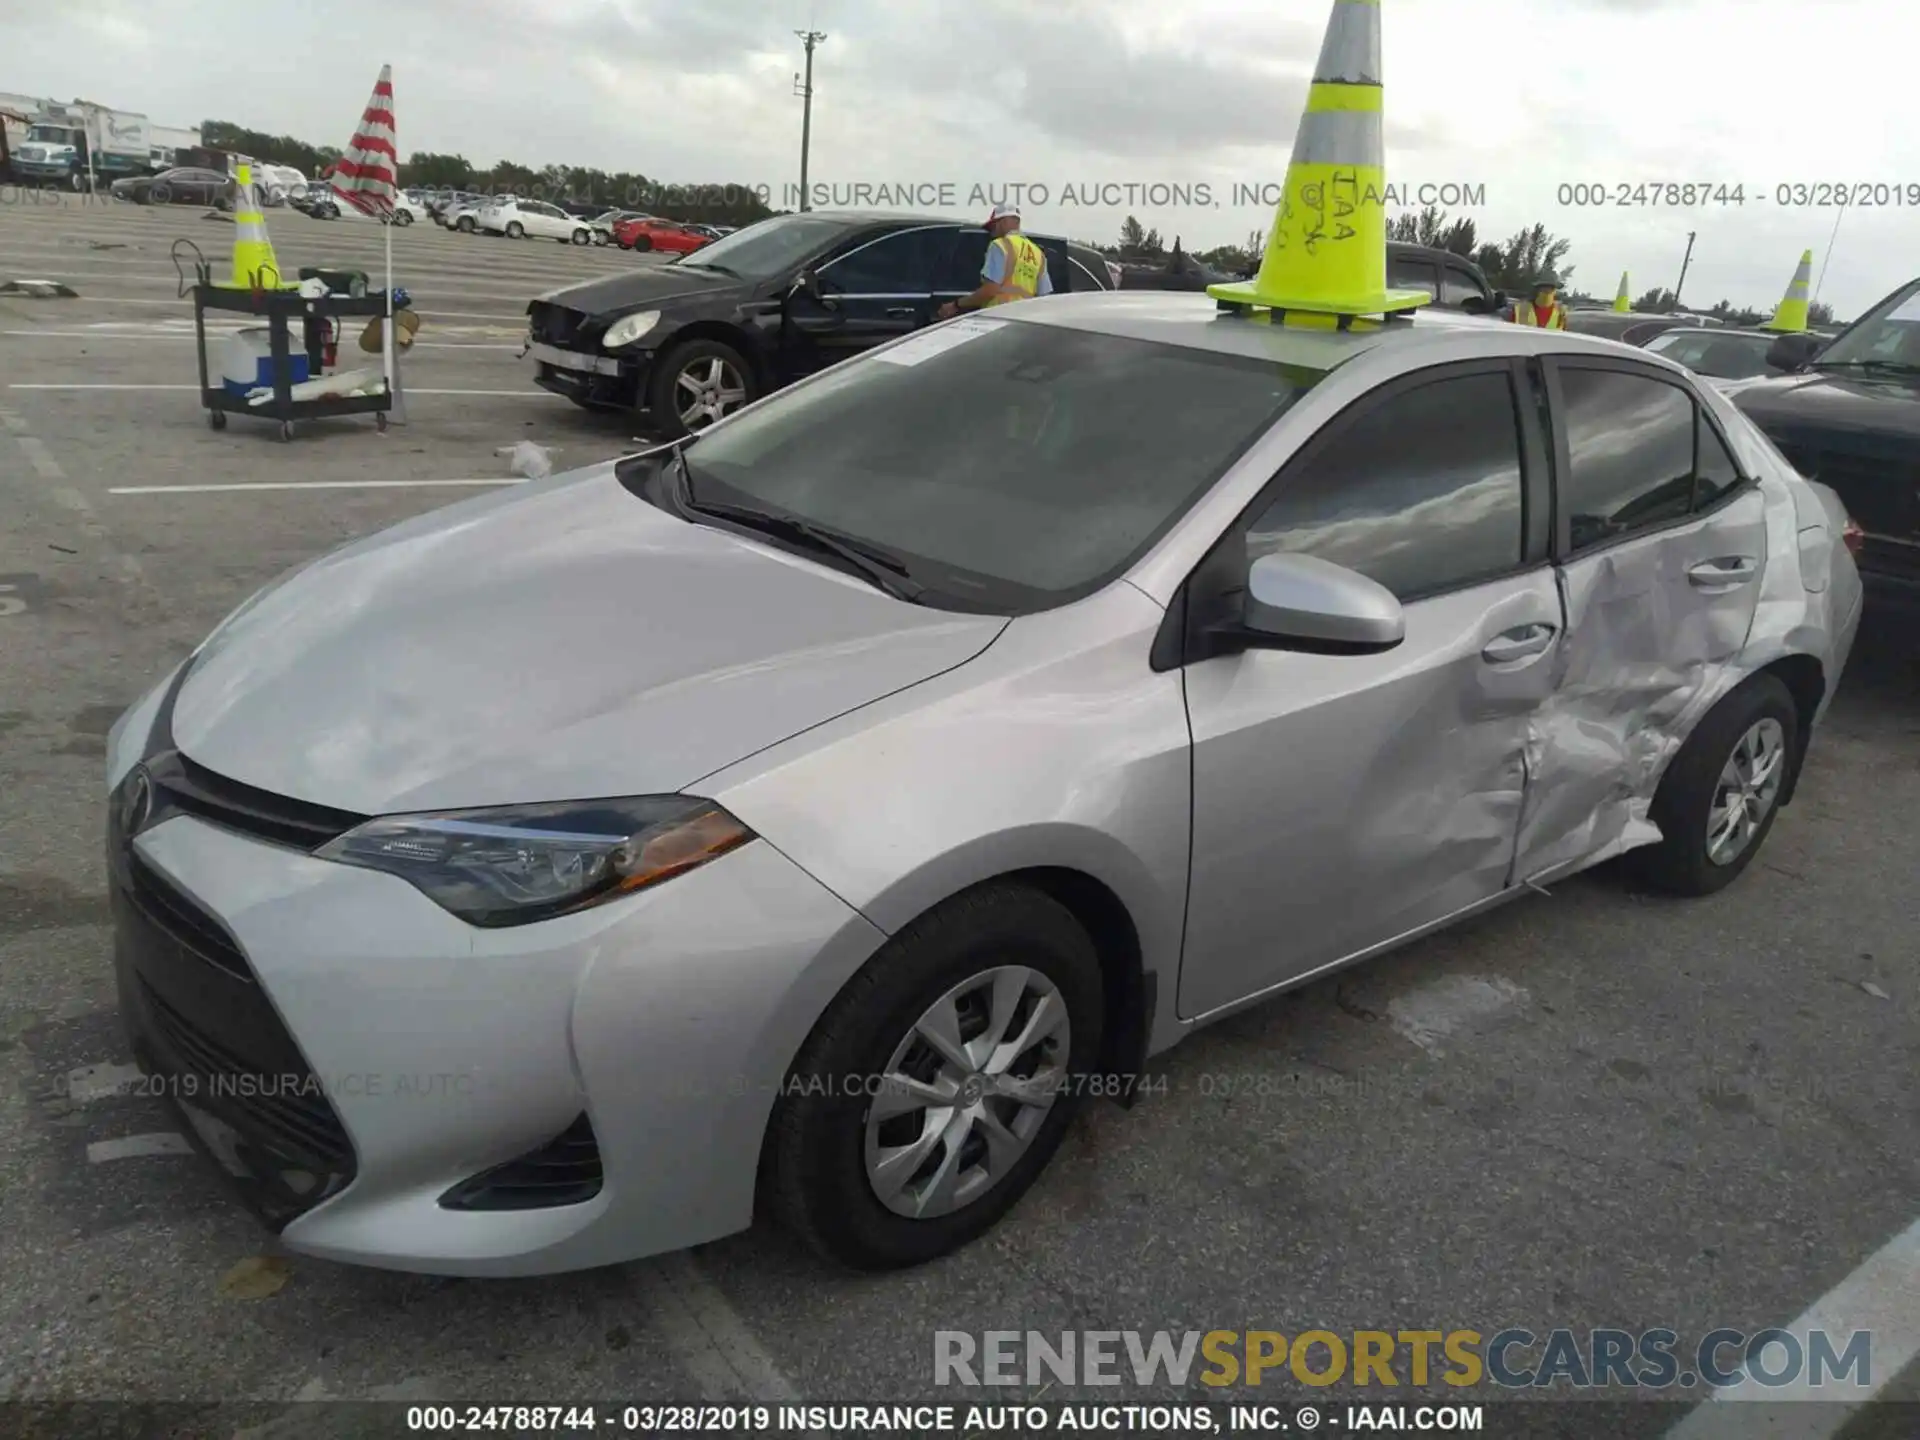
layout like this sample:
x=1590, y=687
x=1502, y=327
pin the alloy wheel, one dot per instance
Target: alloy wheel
x=1749, y=785
x=966, y=1091
x=708, y=389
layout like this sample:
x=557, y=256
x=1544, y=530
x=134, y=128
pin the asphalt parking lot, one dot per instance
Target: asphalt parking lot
x=1589, y=1109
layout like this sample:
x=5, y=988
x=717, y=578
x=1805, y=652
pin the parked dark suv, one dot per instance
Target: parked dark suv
x=1455, y=282
x=690, y=341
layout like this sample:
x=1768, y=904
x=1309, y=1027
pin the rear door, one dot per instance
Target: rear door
x=1409, y=272
x=1661, y=543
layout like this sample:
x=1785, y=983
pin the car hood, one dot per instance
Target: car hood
x=563, y=641
x=1833, y=406
x=640, y=288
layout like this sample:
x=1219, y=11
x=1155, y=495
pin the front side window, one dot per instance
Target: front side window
x=1457, y=288
x=1413, y=275
x=898, y=264
x=1011, y=466
x=1630, y=442
x=1888, y=336
x=1421, y=492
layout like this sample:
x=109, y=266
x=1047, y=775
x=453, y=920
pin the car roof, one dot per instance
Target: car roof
x=1717, y=330
x=1195, y=321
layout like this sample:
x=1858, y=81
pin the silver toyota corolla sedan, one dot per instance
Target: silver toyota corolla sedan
x=805, y=820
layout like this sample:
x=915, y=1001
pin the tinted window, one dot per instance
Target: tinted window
x=1714, y=470
x=900, y=264
x=1013, y=469
x=1457, y=287
x=960, y=275
x=1413, y=275
x=1422, y=492
x=770, y=247
x=1630, y=443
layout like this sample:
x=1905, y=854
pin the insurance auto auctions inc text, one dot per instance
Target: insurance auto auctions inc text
x=1512, y=1358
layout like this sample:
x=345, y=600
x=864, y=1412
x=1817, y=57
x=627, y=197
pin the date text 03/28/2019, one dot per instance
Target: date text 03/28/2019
x=1720, y=194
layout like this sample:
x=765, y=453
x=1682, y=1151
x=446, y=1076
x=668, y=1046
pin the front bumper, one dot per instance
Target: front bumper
x=396, y=1052
x=611, y=382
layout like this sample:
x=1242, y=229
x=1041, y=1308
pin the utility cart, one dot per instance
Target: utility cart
x=281, y=310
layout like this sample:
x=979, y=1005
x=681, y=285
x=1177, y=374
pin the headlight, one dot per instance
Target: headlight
x=629, y=328
x=520, y=863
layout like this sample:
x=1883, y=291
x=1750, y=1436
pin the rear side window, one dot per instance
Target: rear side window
x=902, y=263
x=1630, y=443
x=1413, y=275
x=1421, y=491
x=1457, y=287
x=960, y=275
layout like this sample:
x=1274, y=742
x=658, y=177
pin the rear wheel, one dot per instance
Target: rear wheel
x=515, y=230
x=696, y=383
x=1721, y=794
x=641, y=242
x=403, y=217
x=939, y=1083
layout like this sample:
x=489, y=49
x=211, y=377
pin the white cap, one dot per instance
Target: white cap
x=1004, y=212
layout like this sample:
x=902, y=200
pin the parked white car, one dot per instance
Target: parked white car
x=517, y=219
x=465, y=214
x=279, y=184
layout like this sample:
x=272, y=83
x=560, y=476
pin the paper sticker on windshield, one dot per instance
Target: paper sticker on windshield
x=941, y=338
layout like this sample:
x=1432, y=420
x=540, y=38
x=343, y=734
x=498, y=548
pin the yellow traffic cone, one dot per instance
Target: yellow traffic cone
x=1621, y=302
x=253, y=264
x=1791, y=317
x=1326, y=254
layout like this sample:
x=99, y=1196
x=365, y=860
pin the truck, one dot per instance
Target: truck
x=167, y=143
x=76, y=145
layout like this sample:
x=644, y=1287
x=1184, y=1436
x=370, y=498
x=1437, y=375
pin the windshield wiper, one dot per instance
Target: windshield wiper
x=884, y=570
x=1892, y=367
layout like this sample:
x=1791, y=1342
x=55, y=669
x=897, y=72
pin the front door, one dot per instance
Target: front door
x=1662, y=546
x=876, y=289
x=1342, y=801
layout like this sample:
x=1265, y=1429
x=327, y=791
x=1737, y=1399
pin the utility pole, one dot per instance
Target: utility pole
x=804, y=89
x=1683, y=268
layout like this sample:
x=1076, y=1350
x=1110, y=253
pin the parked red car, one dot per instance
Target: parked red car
x=651, y=233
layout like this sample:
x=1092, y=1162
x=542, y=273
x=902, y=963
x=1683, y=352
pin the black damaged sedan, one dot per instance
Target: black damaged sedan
x=687, y=342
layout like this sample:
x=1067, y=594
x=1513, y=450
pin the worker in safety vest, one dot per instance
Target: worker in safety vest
x=1015, y=269
x=1544, y=311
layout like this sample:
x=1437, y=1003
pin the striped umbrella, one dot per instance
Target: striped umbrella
x=366, y=175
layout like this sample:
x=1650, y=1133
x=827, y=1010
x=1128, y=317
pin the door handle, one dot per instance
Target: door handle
x=1522, y=642
x=1723, y=572
x=901, y=311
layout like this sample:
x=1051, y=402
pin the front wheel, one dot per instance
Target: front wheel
x=465, y=224
x=581, y=237
x=402, y=217
x=515, y=230
x=939, y=1082
x=1721, y=794
x=697, y=383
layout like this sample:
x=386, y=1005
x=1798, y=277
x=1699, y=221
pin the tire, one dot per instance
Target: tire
x=464, y=224
x=216, y=420
x=582, y=237
x=823, y=1138
x=1760, y=713
x=403, y=217
x=668, y=399
x=515, y=230
x=641, y=243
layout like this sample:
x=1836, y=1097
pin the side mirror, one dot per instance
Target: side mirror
x=1792, y=352
x=807, y=283
x=1302, y=602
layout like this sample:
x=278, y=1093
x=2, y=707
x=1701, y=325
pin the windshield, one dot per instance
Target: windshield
x=1887, y=334
x=1716, y=353
x=1010, y=466
x=51, y=134
x=769, y=248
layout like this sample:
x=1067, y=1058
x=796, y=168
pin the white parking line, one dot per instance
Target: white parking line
x=301, y=485
x=135, y=1147
x=410, y=390
x=427, y=311
x=719, y=1352
x=67, y=496
x=101, y=1082
x=1881, y=1297
x=188, y=337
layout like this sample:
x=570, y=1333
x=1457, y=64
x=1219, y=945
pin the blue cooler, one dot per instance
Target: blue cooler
x=248, y=362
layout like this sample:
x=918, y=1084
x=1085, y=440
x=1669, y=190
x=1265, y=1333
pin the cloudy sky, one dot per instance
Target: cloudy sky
x=1516, y=98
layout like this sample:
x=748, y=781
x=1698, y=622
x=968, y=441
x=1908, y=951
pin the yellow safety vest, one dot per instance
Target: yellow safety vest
x=1523, y=315
x=1026, y=263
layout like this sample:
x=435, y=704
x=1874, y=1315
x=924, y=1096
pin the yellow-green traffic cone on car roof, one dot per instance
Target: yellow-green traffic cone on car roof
x=1621, y=303
x=254, y=266
x=1791, y=317
x=1327, y=251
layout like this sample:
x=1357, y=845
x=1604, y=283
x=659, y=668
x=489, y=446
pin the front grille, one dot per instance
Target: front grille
x=182, y=921
x=556, y=325
x=564, y=1171
x=183, y=785
x=290, y=1110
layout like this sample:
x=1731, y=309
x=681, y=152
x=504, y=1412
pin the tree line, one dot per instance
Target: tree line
x=709, y=204
x=1511, y=265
